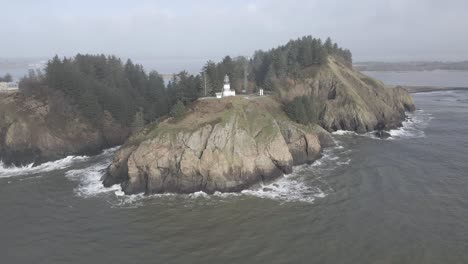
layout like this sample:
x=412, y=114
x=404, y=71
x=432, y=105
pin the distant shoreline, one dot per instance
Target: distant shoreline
x=427, y=89
x=411, y=66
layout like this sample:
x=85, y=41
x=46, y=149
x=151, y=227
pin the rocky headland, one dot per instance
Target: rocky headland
x=349, y=100
x=230, y=144
x=219, y=145
x=32, y=131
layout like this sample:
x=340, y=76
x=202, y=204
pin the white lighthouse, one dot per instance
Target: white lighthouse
x=227, y=88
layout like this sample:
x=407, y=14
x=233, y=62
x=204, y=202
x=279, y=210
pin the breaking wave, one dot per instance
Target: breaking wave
x=11, y=171
x=290, y=188
x=89, y=178
x=306, y=184
x=30, y=169
x=344, y=132
x=412, y=127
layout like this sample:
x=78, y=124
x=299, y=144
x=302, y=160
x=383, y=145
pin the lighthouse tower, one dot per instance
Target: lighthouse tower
x=227, y=88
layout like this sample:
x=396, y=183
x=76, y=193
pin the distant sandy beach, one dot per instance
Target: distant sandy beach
x=425, y=89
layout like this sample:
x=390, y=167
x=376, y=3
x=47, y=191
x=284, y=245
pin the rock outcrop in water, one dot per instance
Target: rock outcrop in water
x=231, y=144
x=31, y=132
x=220, y=145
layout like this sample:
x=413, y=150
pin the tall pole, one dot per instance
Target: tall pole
x=204, y=78
x=245, y=74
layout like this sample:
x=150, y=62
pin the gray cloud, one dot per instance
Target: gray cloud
x=196, y=30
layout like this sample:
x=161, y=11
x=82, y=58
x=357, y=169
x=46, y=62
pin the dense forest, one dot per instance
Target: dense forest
x=94, y=84
x=290, y=60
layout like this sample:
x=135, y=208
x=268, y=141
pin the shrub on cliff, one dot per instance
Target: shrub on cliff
x=302, y=110
x=178, y=110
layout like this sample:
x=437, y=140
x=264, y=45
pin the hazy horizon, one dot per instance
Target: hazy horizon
x=182, y=35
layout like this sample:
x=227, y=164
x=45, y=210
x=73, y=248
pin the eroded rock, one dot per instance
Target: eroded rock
x=245, y=147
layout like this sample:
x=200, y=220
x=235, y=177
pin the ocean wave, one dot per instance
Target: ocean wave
x=30, y=169
x=344, y=132
x=305, y=184
x=302, y=185
x=89, y=178
x=287, y=189
x=413, y=126
x=11, y=171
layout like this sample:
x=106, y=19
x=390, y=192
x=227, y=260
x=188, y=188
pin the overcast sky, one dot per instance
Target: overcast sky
x=187, y=32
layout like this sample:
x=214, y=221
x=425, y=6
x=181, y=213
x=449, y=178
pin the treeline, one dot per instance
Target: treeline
x=6, y=78
x=291, y=60
x=213, y=74
x=94, y=84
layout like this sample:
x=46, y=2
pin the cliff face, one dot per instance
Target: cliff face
x=231, y=144
x=348, y=100
x=30, y=132
x=220, y=145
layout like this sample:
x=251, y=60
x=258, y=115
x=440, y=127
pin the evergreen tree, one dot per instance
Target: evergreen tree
x=178, y=110
x=329, y=45
x=6, y=78
x=138, y=121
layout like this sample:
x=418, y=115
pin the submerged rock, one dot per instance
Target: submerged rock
x=225, y=145
x=382, y=134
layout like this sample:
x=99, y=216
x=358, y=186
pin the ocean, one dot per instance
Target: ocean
x=438, y=78
x=367, y=200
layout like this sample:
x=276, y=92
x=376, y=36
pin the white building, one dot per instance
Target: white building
x=227, y=88
x=8, y=87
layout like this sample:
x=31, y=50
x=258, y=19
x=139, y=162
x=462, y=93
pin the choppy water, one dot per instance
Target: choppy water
x=402, y=200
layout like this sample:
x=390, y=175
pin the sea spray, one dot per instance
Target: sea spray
x=412, y=127
x=89, y=178
x=11, y=171
x=305, y=184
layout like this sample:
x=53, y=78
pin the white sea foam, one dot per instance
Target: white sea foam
x=299, y=186
x=89, y=178
x=413, y=126
x=10, y=171
x=343, y=132
x=287, y=189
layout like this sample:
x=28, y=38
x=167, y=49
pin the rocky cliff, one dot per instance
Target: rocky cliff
x=31, y=132
x=347, y=99
x=219, y=145
x=231, y=144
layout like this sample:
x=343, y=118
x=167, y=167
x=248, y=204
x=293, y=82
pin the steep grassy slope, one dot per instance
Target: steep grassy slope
x=219, y=145
x=349, y=100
